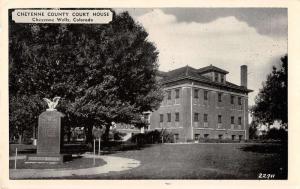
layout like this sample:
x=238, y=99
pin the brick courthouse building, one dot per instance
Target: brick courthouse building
x=200, y=103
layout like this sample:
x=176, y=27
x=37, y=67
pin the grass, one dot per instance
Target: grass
x=201, y=161
x=204, y=161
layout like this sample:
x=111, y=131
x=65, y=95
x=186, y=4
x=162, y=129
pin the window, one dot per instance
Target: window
x=219, y=119
x=232, y=137
x=146, y=116
x=206, y=135
x=239, y=100
x=161, y=117
x=232, y=119
x=219, y=97
x=177, y=116
x=216, y=76
x=220, y=136
x=196, y=117
x=196, y=91
x=232, y=99
x=205, y=95
x=169, y=95
x=176, y=136
x=205, y=118
x=240, y=120
x=222, y=78
x=197, y=136
x=169, y=117
x=176, y=93
x=240, y=137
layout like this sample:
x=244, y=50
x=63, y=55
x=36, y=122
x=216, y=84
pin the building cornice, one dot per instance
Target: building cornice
x=206, y=88
x=241, y=90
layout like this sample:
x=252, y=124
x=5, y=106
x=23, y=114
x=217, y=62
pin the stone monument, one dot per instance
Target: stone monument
x=50, y=131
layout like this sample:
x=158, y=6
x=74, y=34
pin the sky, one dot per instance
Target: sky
x=224, y=37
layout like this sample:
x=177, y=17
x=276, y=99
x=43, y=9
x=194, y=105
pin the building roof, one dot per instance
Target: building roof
x=183, y=72
x=211, y=68
x=191, y=73
x=161, y=73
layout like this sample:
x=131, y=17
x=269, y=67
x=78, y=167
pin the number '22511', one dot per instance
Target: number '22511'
x=266, y=176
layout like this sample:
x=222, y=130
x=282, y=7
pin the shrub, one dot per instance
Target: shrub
x=118, y=135
x=152, y=137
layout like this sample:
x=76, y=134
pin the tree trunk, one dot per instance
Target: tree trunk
x=20, y=139
x=69, y=134
x=34, y=131
x=106, y=133
x=89, y=134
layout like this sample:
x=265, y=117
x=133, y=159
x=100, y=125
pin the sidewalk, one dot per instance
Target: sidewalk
x=112, y=164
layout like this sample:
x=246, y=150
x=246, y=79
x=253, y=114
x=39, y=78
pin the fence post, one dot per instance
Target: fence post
x=99, y=146
x=94, y=151
x=16, y=155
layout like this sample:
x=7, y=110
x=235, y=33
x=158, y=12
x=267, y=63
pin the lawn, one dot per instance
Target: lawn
x=202, y=161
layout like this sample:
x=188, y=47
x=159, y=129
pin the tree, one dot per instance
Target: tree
x=277, y=133
x=253, y=130
x=104, y=73
x=271, y=101
x=23, y=115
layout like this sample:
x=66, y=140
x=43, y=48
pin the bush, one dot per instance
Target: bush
x=152, y=137
x=118, y=135
x=212, y=140
x=277, y=134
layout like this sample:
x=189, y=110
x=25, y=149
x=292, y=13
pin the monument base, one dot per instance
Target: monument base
x=48, y=158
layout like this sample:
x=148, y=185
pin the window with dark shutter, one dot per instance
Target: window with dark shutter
x=177, y=93
x=205, y=95
x=219, y=119
x=177, y=116
x=161, y=117
x=222, y=78
x=169, y=117
x=219, y=97
x=239, y=100
x=216, y=77
x=205, y=118
x=196, y=93
x=196, y=117
x=169, y=95
x=232, y=99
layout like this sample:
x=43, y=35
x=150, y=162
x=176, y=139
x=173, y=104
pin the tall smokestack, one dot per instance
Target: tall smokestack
x=244, y=75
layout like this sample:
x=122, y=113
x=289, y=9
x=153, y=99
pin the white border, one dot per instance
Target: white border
x=293, y=96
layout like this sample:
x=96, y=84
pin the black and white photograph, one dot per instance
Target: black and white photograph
x=156, y=93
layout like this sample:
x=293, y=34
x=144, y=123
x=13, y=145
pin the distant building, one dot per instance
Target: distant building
x=200, y=103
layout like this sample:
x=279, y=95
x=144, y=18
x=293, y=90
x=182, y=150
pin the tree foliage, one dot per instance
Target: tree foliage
x=271, y=101
x=253, y=130
x=103, y=72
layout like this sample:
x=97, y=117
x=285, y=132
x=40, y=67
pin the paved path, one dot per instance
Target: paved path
x=112, y=164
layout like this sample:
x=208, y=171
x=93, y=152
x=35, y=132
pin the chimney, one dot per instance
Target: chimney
x=244, y=76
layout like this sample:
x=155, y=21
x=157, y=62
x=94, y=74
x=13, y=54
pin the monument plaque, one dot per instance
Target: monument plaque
x=50, y=131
